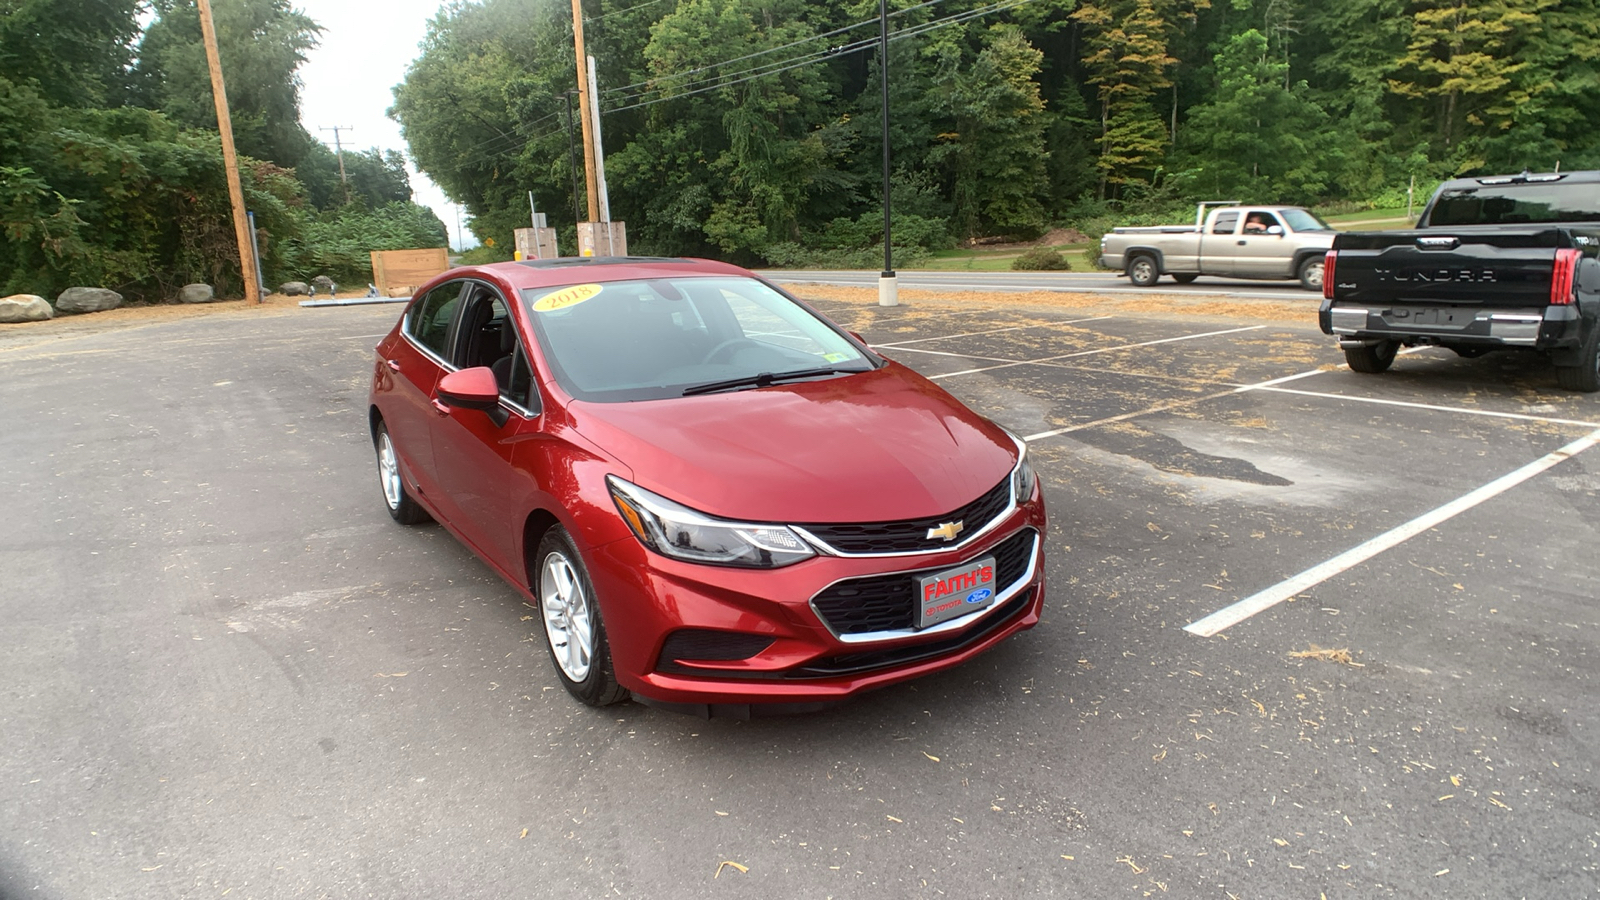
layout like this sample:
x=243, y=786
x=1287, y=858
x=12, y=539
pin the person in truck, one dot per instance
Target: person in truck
x=1257, y=223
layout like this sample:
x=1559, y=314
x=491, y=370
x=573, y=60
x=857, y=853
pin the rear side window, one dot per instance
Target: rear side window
x=429, y=322
x=1512, y=204
x=1226, y=223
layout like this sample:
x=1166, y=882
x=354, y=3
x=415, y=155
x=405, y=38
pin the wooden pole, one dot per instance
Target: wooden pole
x=230, y=159
x=583, y=112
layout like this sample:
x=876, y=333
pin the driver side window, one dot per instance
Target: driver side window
x=429, y=320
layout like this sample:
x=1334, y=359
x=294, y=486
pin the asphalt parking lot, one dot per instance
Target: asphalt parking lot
x=228, y=673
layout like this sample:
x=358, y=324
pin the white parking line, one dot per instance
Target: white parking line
x=1186, y=337
x=951, y=337
x=362, y=337
x=1466, y=411
x=1166, y=406
x=1229, y=616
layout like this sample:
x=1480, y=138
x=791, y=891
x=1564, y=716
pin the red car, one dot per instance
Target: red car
x=717, y=498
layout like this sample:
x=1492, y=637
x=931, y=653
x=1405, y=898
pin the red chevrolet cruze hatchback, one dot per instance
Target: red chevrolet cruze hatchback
x=716, y=498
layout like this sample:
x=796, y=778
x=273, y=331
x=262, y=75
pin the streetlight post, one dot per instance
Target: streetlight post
x=888, y=287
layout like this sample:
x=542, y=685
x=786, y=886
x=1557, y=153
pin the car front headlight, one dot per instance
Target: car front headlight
x=675, y=530
x=1023, y=477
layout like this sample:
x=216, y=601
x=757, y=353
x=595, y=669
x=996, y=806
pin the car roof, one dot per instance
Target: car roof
x=537, y=273
x=1576, y=176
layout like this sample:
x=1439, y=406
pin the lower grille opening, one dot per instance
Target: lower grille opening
x=855, y=663
x=706, y=645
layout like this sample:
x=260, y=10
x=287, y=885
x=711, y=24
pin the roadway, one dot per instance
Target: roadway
x=1074, y=282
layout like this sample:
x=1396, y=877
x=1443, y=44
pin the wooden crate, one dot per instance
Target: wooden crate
x=404, y=271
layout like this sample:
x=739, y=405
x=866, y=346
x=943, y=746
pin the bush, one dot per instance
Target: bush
x=1041, y=259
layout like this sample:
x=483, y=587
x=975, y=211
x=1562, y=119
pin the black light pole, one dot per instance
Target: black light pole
x=572, y=152
x=888, y=292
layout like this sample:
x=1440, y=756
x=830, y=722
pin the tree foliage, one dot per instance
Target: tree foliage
x=111, y=169
x=728, y=132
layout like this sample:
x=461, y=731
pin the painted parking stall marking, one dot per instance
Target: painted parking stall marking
x=1081, y=353
x=1229, y=616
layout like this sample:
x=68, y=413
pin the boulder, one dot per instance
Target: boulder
x=196, y=293
x=87, y=300
x=294, y=288
x=25, y=308
x=322, y=284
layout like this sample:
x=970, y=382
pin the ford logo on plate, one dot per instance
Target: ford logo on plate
x=978, y=596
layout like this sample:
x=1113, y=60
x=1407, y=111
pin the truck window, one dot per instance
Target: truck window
x=1258, y=222
x=1225, y=223
x=1511, y=204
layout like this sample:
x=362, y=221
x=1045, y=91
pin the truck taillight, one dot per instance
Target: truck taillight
x=1561, y=279
x=1327, y=274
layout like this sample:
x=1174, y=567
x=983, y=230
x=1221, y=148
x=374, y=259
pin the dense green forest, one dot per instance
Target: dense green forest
x=111, y=169
x=749, y=129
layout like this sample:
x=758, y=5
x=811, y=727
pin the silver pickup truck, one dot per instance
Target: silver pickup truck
x=1231, y=241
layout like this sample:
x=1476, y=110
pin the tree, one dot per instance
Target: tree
x=996, y=152
x=261, y=43
x=1127, y=58
x=1260, y=138
x=74, y=52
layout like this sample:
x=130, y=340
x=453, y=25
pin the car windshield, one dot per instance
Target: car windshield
x=1304, y=220
x=656, y=338
x=1511, y=204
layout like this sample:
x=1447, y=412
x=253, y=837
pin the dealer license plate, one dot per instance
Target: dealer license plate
x=955, y=592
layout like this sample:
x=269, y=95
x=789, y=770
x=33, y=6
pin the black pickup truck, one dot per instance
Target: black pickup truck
x=1506, y=262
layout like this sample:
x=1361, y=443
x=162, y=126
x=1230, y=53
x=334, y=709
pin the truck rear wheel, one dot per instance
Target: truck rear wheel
x=1143, y=271
x=1585, y=376
x=1372, y=360
x=1310, y=274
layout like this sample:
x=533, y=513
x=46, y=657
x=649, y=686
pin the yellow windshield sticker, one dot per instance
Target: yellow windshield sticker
x=835, y=357
x=566, y=297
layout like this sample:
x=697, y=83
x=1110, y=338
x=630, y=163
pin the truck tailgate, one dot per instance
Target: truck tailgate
x=1503, y=267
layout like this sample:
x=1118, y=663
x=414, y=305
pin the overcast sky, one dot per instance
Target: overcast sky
x=366, y=47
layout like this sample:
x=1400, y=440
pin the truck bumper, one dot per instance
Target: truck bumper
x=1552, y=328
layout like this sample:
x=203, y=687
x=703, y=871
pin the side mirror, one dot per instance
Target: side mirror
x=1275, y=229
x=470, y=389
x=857, y=337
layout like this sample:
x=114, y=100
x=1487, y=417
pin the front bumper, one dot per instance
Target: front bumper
x=755, y=637
x=1554, y=327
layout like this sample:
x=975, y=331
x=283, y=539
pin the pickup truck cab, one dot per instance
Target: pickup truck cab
x=1498, y=263
x=1231, y=241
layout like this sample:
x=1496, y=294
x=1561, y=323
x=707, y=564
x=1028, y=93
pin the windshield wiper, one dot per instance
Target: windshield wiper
x=764, y=379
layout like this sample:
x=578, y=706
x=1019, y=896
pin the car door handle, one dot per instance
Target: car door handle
x=393, y=365
x=1241, y=243
x=441, y=407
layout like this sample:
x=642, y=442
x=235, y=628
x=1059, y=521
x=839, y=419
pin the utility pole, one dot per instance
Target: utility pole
x=338, y=150
x=230, y=159
x=583, y=110
x=888, y=285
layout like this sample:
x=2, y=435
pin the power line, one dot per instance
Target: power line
x=717, y=82
x=806, y=40
x=618, y=12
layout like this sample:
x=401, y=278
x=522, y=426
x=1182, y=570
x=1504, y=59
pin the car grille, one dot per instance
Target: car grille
x=911, y=535
x=889, y=602
x=856, y=663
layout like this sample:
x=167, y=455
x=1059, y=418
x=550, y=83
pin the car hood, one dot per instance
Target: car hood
x=872, y=447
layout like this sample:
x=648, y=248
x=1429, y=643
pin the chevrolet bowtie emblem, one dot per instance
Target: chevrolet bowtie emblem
x=947, y=531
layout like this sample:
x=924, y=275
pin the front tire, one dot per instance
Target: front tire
x=1585, y=376
x=403, y=508
x=1310, y=273
x=574, y=633
x=1372, y=360
x=1143, y=271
